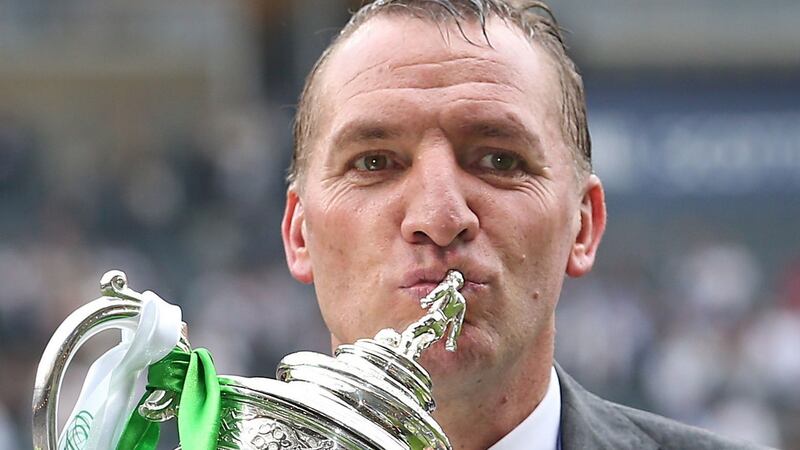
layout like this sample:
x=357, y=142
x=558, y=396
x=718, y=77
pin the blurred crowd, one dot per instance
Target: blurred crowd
x=172, y=169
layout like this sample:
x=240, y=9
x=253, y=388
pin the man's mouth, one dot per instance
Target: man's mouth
x=422, y=289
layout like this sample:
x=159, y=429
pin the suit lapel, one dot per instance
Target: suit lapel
x=589, y=422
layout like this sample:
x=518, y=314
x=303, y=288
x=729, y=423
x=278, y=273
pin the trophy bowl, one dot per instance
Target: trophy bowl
x=371, y=394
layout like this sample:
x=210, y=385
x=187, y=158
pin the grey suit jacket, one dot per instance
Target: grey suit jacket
x=589, y=422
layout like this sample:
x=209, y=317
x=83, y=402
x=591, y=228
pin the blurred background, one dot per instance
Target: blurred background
x=153, y=136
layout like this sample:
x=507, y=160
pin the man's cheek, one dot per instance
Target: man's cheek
x=328, y=234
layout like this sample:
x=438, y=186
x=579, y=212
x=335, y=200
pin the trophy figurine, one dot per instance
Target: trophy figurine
x=371, y=394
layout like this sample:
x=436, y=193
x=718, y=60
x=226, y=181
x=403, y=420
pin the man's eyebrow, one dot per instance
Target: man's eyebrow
x=502, y=130
x=356, y=132
x=490, y=130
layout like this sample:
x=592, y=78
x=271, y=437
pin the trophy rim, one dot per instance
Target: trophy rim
x=372, y=348
x=410, y=396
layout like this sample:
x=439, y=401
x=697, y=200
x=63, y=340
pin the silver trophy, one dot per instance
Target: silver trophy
x=371, y=394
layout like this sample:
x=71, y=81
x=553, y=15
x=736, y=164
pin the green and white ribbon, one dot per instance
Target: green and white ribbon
x=193, y=377
x=108, y=393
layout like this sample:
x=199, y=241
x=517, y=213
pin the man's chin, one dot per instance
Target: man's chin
x=442, y=364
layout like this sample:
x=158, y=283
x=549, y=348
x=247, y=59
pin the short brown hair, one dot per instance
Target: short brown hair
x=534, y=18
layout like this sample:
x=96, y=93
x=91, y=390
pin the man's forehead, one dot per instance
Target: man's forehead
x=411, y=50
x=456, y=33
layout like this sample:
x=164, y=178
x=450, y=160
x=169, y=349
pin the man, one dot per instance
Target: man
x=437, y=135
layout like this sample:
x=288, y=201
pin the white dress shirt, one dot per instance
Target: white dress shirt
x=539, y=431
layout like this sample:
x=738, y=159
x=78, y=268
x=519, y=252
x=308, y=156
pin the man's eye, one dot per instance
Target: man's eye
x=501, y=162
x=372, y=163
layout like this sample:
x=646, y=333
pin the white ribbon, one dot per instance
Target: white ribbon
x=108, y=395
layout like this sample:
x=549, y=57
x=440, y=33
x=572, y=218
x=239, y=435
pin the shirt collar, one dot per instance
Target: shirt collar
x=539, y=431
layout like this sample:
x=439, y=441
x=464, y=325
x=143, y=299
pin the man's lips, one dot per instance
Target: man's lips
x=423, y=288
x=419, y=282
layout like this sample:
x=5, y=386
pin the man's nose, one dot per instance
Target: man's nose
x=437, y=206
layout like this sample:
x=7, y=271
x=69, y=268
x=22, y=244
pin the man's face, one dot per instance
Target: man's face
x=431, y=153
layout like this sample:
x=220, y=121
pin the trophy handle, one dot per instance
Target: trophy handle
x=118, y=309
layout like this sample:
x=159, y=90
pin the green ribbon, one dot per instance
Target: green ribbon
x=192, y=376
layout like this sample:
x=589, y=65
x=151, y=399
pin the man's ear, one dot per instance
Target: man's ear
x=590, y=232
x=293, y=231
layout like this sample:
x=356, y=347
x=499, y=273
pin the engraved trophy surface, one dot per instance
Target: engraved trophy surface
x=371, y=394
